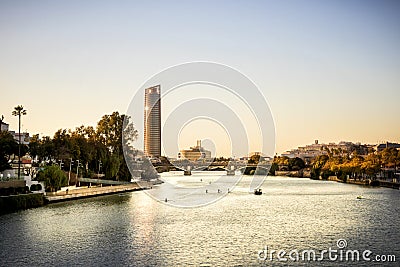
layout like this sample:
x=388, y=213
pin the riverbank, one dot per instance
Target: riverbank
x=298, y=174
x=367, y=182
x=92, y=192
x=12, y=203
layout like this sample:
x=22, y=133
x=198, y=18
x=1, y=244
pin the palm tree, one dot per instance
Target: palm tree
x=1, y=121
x=18, y=111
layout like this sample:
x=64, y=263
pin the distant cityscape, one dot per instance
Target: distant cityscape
x=152, y=141
x=309, y=152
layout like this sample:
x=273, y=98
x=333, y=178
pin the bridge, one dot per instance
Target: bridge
x=140, y=167
x=231, y=167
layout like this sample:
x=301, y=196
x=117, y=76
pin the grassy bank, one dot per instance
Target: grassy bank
x=20, y=202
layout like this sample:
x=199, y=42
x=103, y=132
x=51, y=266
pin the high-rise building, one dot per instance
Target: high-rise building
x=152, y=121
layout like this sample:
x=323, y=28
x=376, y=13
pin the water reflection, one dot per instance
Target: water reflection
x=135, y=230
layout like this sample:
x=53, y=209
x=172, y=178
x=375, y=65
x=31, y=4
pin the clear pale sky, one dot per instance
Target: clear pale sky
x=330, y=70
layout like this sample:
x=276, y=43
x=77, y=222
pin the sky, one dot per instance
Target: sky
x=328, y=69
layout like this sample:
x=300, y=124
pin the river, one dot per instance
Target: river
x=240, y=229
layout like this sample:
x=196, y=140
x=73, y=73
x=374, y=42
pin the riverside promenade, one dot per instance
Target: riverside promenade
x=85, y=192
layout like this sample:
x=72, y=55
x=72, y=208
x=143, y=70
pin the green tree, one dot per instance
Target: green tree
x=89, y=146
x=47, y=150
x=109, y=132
x=8, y=147
x=53, y=177
x=62, y=143
x=35, y=146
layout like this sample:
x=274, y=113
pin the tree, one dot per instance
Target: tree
x=109, y=132
x=19, y=111
x=389, y=156
x=273, y=169
x=317, y=165
x=90, y=146
x=34, y=146
x=8, y=147
x=254, y=159
x=371, y=165
x=62, y=144
x=47, y=149
x=296, y=164
x=53, y=177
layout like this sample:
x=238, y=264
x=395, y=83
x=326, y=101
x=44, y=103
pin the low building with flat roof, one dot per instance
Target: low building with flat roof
x=195, y=153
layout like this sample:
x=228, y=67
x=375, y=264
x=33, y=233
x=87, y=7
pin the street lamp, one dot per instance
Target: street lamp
x=78, y=164
x=61, y=164
x=69, y=173
x=98, y=174
x=19, y=111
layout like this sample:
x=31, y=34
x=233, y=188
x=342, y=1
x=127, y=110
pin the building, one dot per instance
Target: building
x=381, y=147
x=4, y=126
x=309, y=152
x=195, y=153
x=152, y=122
x=25, y=137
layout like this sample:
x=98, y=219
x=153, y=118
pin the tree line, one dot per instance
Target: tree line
x=356, y=166
x=87, y=149
x=343, y=165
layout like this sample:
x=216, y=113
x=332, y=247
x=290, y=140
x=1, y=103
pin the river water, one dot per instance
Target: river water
x=133, y=229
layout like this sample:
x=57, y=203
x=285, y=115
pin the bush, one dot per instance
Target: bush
x=36, y=187
x=53, y=177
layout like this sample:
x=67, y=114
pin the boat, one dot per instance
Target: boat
x=257, y=191
x=359, y=197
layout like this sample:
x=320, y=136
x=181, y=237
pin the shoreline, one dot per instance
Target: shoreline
x=91, y=192
x=367, y=182
x=15, y=203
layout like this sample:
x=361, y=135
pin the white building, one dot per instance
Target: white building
x=309, y=152
x=25, y=137
x=4, y=126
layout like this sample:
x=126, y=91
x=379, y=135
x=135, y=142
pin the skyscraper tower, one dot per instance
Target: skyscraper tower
x=152, y=121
